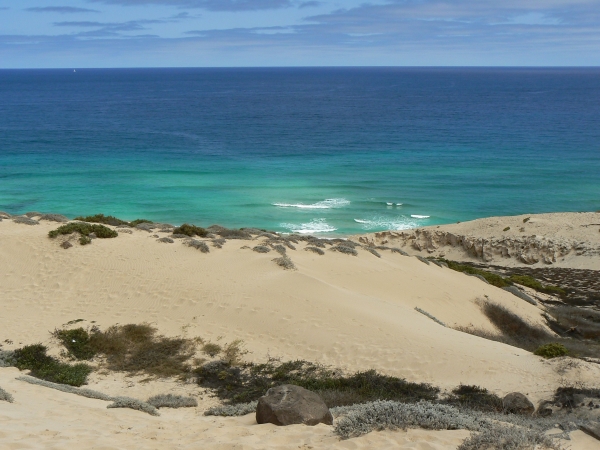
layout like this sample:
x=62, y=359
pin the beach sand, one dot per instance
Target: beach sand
x=355, y=313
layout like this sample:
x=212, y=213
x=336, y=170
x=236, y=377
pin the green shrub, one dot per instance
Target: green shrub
x=190, y=230
x=77, y=343
x=475, y=397
x=85, y=240
x=552, y=350
x=506, y=229
x=84, y=229
x=247, y=382
x=526, y=219
x=526, y=280
x=136, y=222
x=211, y=349
x=41, y=365
x=492, y=278
x=101, y=218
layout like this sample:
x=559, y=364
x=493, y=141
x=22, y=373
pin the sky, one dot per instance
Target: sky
x=242, y=33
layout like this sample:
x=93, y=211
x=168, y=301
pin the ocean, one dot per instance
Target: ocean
x=311, y=150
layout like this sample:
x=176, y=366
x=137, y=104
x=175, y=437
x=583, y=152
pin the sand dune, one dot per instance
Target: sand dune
x=351, y=312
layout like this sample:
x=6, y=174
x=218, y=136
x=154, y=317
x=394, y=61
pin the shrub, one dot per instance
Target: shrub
x=491, y=278
x=424, y=260
x=54, y=218
x=190, y=230
x=504, y=437
x=552, y=350
x=219, y=242
x=85, y=240
x=397, y=250
x=172, y=401
x=24, y=220
x=165, y=240
x=279, y=249
x=285, y=262
x=5, y=396
x=316, y=250
x=586, y=321
x=77, y=343
x=372, y=251
x=527, y=219
x=475, y=397
x=261, y=249
x=211, y=349
x=41, y=365
x=137, y=349
x=526, y=280
x=132, y=403
x=101, y=218
x=381, y=415
x=240, y=409
x=506, y=229
x=569, y=397
x=84, y=229
x=136, y=222
x=345, y=250
x=7, y=358
x=198, y=245
x=245, y=382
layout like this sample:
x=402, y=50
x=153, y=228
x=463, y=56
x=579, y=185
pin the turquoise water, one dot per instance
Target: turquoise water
x=334, y=151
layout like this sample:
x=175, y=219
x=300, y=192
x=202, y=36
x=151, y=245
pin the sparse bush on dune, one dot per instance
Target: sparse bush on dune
x=5, y=396
x=239, y=409
x=279, y=249
x=41, y=365
x=526, y=280
x=198, y=245
x=84, y=229
x=476, y=398
x=492, y=278
x=136, y=222
x=211, y=349
x=506, y=437
x=285, y=262
x=582, y=322
x=347, y=250
x=101, y=218
x=172, y=401
x=372, y=251
x=7, y=358
x=76, y=342
x=132, y=403
x=24, y=220
x=54, y=218
x=261, y=249
x=552, y=350
x=190, y=230
x=316, y=250
x=165, y=240
x=240, y=382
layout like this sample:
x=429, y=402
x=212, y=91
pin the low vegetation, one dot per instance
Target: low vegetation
x=172, y=401
x=239, y=409
x=6, y=396
x=285, y=262
x=526, y=280
x=41, y=365
x=190, y=230
x=84, y=229
x=101, y=218
x=244, y=382
x=475, y=398
x=492, y=278
x=552, y=350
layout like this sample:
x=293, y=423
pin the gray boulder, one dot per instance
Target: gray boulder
x=289, y=404
x=517, y=403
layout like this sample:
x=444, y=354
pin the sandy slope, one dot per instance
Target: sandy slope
x=350, y=312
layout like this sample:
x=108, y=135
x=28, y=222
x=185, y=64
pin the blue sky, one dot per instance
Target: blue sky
x=200, y=33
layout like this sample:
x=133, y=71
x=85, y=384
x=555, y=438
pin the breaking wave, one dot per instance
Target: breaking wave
x=329, y=203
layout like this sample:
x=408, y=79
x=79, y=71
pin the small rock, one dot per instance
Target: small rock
x=66, y=245
x=517, y=403
x=289, y=404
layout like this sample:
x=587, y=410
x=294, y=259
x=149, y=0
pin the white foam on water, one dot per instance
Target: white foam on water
x=398, y=204
x=314, y=226
x=387, y=223
x=417, y=216
x=329, y=203
x=389, y=203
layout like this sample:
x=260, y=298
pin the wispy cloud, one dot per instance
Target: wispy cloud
x=211, y=5
x=60, y=9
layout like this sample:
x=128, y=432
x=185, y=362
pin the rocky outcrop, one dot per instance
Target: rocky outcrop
x=527, y=249
x=289, y=404
x=517, y=403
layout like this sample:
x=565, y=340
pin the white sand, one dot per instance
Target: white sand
x=356, y=313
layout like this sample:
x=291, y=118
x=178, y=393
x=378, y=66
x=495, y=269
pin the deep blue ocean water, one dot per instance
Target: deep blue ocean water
x=336, y=150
